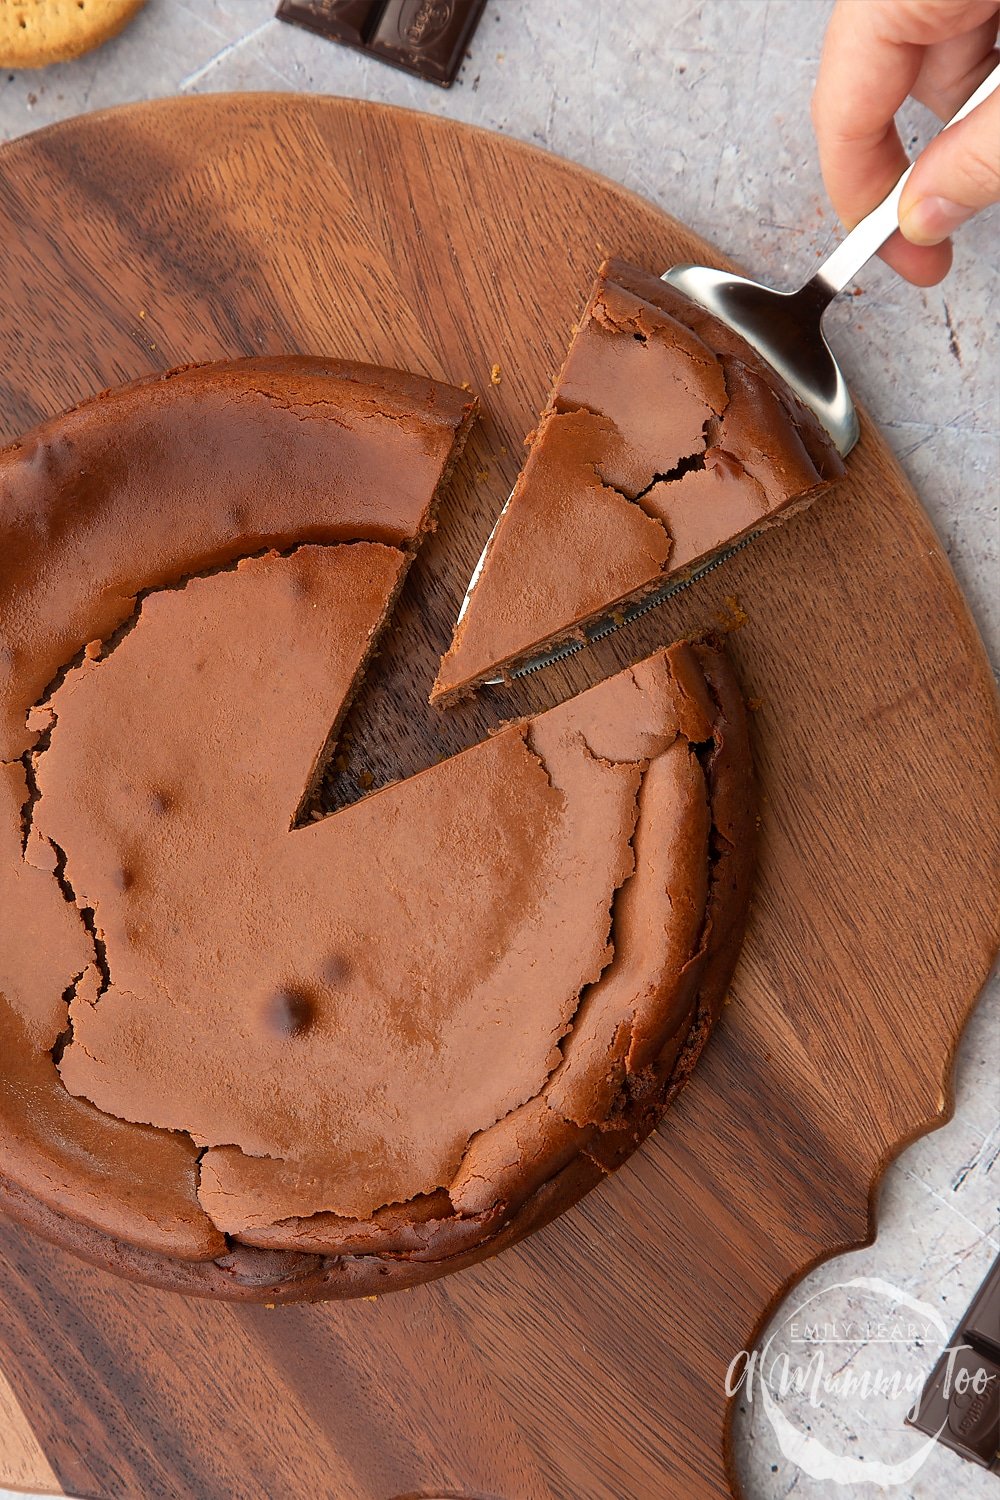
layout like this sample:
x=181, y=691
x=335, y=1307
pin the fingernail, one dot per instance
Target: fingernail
x=931, y=220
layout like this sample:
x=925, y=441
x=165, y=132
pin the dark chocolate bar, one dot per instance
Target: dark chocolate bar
x=960, y=1404
x=982, y=1322
x=424, y=37
x=346, y=21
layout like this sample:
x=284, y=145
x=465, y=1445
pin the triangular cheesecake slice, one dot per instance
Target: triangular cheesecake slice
x=665, y=441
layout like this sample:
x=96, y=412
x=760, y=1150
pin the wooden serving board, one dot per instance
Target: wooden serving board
x=588, y=1362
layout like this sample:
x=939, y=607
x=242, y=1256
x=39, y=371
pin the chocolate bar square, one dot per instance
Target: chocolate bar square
x=960, y=1405
x=347, y=21
x=424, y=37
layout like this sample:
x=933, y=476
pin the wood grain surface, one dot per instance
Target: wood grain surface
x=587, y=1363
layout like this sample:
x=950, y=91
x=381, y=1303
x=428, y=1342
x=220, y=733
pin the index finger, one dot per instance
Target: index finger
x=863, y=79
x=874, y=53
x=872, y=58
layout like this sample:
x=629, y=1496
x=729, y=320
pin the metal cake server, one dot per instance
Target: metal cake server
x=786, y=329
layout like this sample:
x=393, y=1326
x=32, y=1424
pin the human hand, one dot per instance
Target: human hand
x=876, y=53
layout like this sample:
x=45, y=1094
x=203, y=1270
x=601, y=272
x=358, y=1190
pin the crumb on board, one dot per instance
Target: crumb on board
x=733, y=616
x=482, y=475
x=92, y=650
x=495, y=375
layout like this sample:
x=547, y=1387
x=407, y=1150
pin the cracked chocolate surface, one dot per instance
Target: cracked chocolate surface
x=131, y=492
x=248, y=1055
x=473, y=901
x=619, y=767
x=666, y=439
x=183, y=472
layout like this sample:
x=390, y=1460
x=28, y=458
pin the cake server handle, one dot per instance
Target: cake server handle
x=868, y=237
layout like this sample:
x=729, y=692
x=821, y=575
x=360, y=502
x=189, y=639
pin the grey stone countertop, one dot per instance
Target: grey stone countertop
x=703, y=107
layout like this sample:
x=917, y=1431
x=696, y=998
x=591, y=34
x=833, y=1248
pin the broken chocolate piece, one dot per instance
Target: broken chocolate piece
x=960, y=1406
x=346, y=21
x=981, y=1324
x=960, y=1403
x=425, y=37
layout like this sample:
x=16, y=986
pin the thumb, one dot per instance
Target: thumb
x=957, y=175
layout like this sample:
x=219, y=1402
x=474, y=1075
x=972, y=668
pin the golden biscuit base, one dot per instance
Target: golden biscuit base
x=34, y=33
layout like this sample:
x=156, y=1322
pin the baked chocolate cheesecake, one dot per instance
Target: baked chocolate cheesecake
x=253, y=1052
x=665, y=441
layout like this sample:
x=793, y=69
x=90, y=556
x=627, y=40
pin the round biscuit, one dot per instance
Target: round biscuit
x=34, y=33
